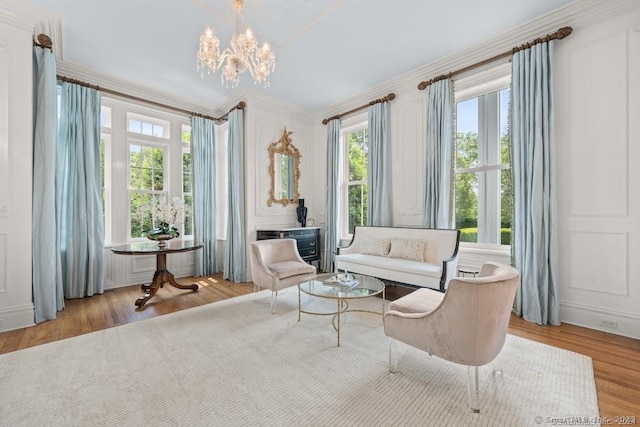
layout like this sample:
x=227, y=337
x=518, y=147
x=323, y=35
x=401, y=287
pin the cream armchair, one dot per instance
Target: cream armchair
x=466, y=325
x=276, y=264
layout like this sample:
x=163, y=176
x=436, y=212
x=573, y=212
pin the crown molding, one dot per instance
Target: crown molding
x=577, y=14
x=94, y=77
x=21, y=14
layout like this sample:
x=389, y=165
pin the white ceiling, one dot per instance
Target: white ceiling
x=326, y=50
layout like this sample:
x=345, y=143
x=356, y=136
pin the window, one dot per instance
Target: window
x=146, y=186
x=187, y=182
x=355, y=203
x=105, y=172
x=483, y=190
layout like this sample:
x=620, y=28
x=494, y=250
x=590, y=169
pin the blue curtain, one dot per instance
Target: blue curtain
x=535, y=247
x=203, y=145
x=48, y=296
x=439, y=155
x=332, y=207
x=81, y=220
x=235, y=257
x=380, y=192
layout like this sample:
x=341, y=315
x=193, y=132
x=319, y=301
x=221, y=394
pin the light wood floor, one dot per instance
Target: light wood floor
x=616, y=359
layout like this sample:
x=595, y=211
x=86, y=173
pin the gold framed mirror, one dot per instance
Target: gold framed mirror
x=284, y=169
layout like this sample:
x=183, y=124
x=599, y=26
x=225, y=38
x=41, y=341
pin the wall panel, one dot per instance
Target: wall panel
x=598, y=91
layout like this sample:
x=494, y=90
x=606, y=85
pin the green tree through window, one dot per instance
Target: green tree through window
x=358, y=167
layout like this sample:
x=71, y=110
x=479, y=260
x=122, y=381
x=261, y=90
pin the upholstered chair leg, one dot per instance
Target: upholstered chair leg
x=274, y=301
x=474, y=389
x=393, y=355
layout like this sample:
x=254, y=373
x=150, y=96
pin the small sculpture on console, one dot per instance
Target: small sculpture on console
x=301, y=212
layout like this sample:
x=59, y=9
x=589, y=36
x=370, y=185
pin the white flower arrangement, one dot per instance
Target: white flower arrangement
x=167, y=218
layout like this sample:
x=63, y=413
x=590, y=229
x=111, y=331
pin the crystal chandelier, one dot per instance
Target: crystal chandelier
x=244, y=54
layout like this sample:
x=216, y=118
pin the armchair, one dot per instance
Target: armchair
x=276, y=264
x=465, y=325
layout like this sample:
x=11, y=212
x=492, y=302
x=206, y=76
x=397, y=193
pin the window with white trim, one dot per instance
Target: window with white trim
x=145, y=156
x=355, y=171
x=483, y=190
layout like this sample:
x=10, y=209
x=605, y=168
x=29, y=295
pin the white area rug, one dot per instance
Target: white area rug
x=234, y=363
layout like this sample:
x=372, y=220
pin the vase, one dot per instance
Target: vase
x=301, y=213
x=162, y=235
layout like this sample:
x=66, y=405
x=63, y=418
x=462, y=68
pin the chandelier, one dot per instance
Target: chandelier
x=244, y=54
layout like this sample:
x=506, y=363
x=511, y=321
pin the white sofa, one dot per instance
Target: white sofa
x=424, y=257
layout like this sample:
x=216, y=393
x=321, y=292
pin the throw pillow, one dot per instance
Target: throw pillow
x=378, y=247
x=407, y=249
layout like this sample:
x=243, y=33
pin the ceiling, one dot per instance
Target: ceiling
x=326, y=50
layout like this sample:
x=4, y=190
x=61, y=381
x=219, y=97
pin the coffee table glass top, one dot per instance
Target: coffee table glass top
x=332, y=285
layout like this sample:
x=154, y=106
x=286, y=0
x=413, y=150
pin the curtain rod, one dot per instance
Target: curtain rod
x=222, y=118
x=558, y=35
x=389, y=97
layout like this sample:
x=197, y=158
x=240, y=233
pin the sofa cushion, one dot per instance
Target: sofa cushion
x=286, y=269
x=419, y=301
x=411, y=249
x=393, y=264
x=378, y=247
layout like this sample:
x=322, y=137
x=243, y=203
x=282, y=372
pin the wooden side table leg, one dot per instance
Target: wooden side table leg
x=150, y=290
x=172, y=281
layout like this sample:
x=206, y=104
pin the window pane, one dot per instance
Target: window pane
x=186, y=134
x=358, y=161
x=467, y=134
x=358, y=204
x=158, y=131
x=506, y=203
x=188, y=215
x=135, y=126
x=105, y=116
x=466, y=189
x=186, y=173
x=146, y=179
x=135, y=155
x=158, y=181
x=147, y=128
x=136, y=178
x=141, y=217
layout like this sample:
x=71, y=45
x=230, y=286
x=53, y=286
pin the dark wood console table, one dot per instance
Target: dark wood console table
x=162, y=275
x=307, y=238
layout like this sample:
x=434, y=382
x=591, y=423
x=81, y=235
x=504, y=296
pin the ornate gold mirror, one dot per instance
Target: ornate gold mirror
x=284, y=169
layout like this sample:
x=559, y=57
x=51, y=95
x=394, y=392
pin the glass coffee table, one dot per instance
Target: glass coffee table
x=341, y=288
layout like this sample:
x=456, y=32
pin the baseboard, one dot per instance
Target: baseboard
x=16, y=317
x=618, y=323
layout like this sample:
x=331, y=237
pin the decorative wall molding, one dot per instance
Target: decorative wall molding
x=21, y=14
x=4, y=211
x=408, y=125
x=599, y=171
x=598, y=262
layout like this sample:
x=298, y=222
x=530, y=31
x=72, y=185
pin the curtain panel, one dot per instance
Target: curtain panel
x=535, y=247
x=80, y=213
x=439, y=155
x=48, y=296
x=203, y=146
x=235, y=257
x=332, y=195
x=380, y=212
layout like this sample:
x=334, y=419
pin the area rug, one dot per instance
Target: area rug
x=233, y=363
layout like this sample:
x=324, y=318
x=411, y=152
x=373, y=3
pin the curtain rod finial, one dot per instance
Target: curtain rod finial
x=564, y=32
x=391, y=97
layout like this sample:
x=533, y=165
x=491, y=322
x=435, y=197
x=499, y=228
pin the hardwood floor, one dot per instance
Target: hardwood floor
x=616, y=359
